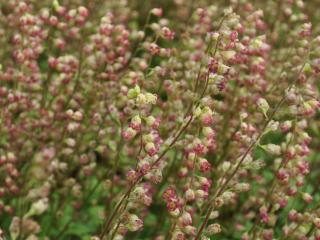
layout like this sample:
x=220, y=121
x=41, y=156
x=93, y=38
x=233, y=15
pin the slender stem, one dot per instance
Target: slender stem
x=170, y=232
x=118, y=224
x=115, y=167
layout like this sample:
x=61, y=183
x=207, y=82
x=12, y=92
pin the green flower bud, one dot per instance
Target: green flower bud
x=263, y=106
x=133, y=93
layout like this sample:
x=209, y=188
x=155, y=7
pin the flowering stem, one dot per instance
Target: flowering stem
x=126, y=195
x=251, y=146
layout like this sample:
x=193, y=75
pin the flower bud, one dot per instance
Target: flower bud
x=150, y=120
x=156, y=11
x=190, y=195
x=133, y=93
x=39, y=207
x=213, y=229
x=132, y=175
x=197, y=112
x=228, y=55
x=14, y=228
x=263, y=106
x=206, y=119
x=190, y=230
x=293, y=215
x=83, y=11
x=227, y=196
x=307, y=69
x=222, y=69
x=204, y=165
x=242, y=187
x=307, y=197
x=136, y=123
x=134, y=223
x=272, y=149
x=175, y=212
x=225, y=166
x=151, y=149
x=285, y=126
x=185, y=219
x=55, y=4
x=178, y=235
x=208, y=132
x=200, y=194
x=129, y=133
x=141, y=99
x=151, y=98
x=316, y=222
x=214, y=215
x=155, y=176
x=144, y=166
x=218, y=202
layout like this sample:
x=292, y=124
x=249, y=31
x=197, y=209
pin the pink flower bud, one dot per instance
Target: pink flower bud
x=151, y=149
x=285, y=126
x=204, y=165
x=169, y=193
x=264, y=214
x=167, y=33
x=183, y=172
x=307, y=197
x=283, y=202
x=200, y=194
x=83, y=11
x=206, y=119
x=293, y=215
x=292, y=191
x=267, y=234
x=154, y=49
x=205, y=183
x=199, y=149
x=157, y=12
x=129, y=134
x=136, y=123
x=208, y=132
x=282, y=175
x=144, y=166
x=132, y=175
x=233, y=36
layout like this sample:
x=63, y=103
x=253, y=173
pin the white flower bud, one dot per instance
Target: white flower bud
x=214, y=215
x=263, y=106
x=225, y=166
x=39, y=207
x=272, y=149
x=151, y=98
x=213, y=229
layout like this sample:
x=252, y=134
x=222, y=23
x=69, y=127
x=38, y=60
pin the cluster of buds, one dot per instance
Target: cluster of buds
x=173, y=201
x=84, y=87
